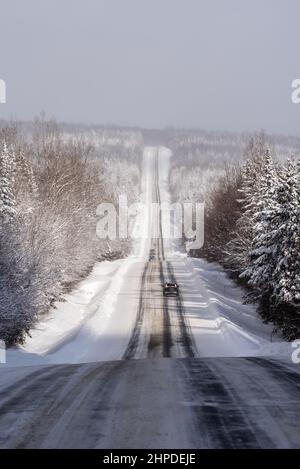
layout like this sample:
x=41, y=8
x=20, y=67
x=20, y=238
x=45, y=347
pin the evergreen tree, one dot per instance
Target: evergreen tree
x=286, y=280
x=261, y=259
x=237, y=250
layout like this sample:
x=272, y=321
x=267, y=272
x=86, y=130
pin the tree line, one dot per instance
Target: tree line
x=50, y=186
x=252, y=229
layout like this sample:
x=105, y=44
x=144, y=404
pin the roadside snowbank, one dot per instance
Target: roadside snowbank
x=220, y=323
x=72, y=332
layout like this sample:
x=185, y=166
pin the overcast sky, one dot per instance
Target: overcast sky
x=215, y=64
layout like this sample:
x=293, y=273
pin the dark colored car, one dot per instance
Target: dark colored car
x=170, y=289
x=152, y=254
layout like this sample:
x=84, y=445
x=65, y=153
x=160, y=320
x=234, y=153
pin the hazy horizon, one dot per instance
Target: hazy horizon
x=205, y=64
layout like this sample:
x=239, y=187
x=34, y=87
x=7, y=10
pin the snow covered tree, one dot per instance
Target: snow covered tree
x=251, y=219
x=274, y=270
x=286, y=276
x=49, y=241
x=7, y=177
x=288, y=268
x=261, y=259
x=222, y=211
x=25, y=180
x=237, y=249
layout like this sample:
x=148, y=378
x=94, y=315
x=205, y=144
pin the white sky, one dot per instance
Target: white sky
x=216, y=64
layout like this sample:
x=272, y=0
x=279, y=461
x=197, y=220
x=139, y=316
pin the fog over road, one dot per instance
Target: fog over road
x=162, y=393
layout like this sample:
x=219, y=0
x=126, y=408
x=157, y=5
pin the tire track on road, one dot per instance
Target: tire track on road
x=165, y=317
x=186, y=338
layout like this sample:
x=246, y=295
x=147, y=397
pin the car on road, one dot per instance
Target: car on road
x=152, y=254
x=170, y=289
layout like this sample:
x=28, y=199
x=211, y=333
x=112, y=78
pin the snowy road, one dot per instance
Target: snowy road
x=154, y=403
x=142, y=371
x=161, y=329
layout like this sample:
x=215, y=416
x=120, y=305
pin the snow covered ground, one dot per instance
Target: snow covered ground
x=95, y=322
x=221, y=324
